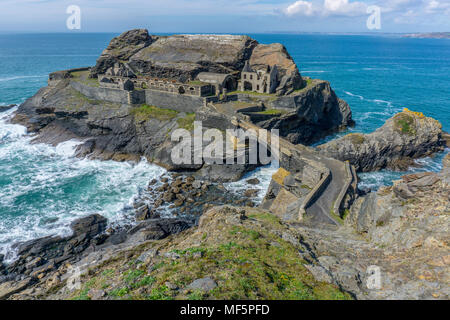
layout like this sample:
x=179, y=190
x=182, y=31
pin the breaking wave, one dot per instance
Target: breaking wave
x=44, y=188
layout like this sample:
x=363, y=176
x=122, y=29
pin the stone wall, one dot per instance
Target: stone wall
x=106, y=94
x=174, y=101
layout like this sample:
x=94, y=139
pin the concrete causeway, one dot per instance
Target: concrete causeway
x=323, y=204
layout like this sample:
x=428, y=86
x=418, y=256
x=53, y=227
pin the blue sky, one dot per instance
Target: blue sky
x=225, y=16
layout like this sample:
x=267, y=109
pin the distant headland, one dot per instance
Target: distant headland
x=431, y=35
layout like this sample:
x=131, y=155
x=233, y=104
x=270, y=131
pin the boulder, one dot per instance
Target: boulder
x=254, y=181
x=91, y=225
x=143, y=213
x=204, y=284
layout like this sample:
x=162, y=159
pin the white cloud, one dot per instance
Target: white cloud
x=344, y=7
x=326, y=8
x=433, y=6
x=300, y=8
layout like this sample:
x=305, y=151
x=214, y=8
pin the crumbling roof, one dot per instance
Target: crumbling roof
x=214, y=78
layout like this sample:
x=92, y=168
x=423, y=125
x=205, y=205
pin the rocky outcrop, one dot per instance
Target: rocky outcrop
x=224, y=242
x=120, y=49
x=183, y=57
x=39, y=260
x=405, y=137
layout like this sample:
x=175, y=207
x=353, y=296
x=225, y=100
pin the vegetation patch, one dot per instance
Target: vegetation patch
x=83, y=77
x=356, y=138
x=146, y=112
x=405, y=123
x=273, y=112
x=247, y=261
x=187, y=122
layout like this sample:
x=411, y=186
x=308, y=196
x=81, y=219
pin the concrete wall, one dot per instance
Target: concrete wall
x=174, y=101
x=181, y=103
x=96, y=93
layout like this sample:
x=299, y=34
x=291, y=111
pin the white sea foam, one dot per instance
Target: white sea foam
x=22, y=77
x=263, y=174
x=354, y=95
x=44, y=188
x=314, y=71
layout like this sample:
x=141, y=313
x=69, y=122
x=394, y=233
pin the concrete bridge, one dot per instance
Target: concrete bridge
x=324, y=200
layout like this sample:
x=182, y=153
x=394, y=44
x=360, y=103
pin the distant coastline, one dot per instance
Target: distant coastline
x=432, y=35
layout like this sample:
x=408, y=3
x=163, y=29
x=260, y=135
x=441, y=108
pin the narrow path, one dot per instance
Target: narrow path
x=320, y=211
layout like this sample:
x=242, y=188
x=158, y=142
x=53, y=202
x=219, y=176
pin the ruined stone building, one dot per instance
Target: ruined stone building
x=261, y=81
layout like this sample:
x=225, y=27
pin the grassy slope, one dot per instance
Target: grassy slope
x=248, y=259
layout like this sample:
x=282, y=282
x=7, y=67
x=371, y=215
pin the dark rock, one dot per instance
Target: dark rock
x=9, y=288
x=251, y=193
x=253, y=181
x=121, y=48
x=156, y=229
x=5, y=108
x=118, y=238
x=404, y=137
x=142, y=213
x=91, y=225
x=169, y=196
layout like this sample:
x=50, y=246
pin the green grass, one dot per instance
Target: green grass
x=241, y=258
x=405, y=124
x=273, y=112
x=196, y=295
x=160, y=293
x=341, y=217
x=83, y=77
x=146, y=112
x=187, y=122
x=119, y=292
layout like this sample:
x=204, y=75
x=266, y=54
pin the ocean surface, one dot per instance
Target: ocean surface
x=43, y=188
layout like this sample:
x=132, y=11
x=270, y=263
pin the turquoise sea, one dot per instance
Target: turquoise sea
x=43, y=188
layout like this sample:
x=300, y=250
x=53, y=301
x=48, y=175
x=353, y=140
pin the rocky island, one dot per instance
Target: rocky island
x=314, y=236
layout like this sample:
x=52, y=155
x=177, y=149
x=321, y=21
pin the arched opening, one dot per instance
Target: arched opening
x=230, y=84
x=248, y=86
x=181, y=90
